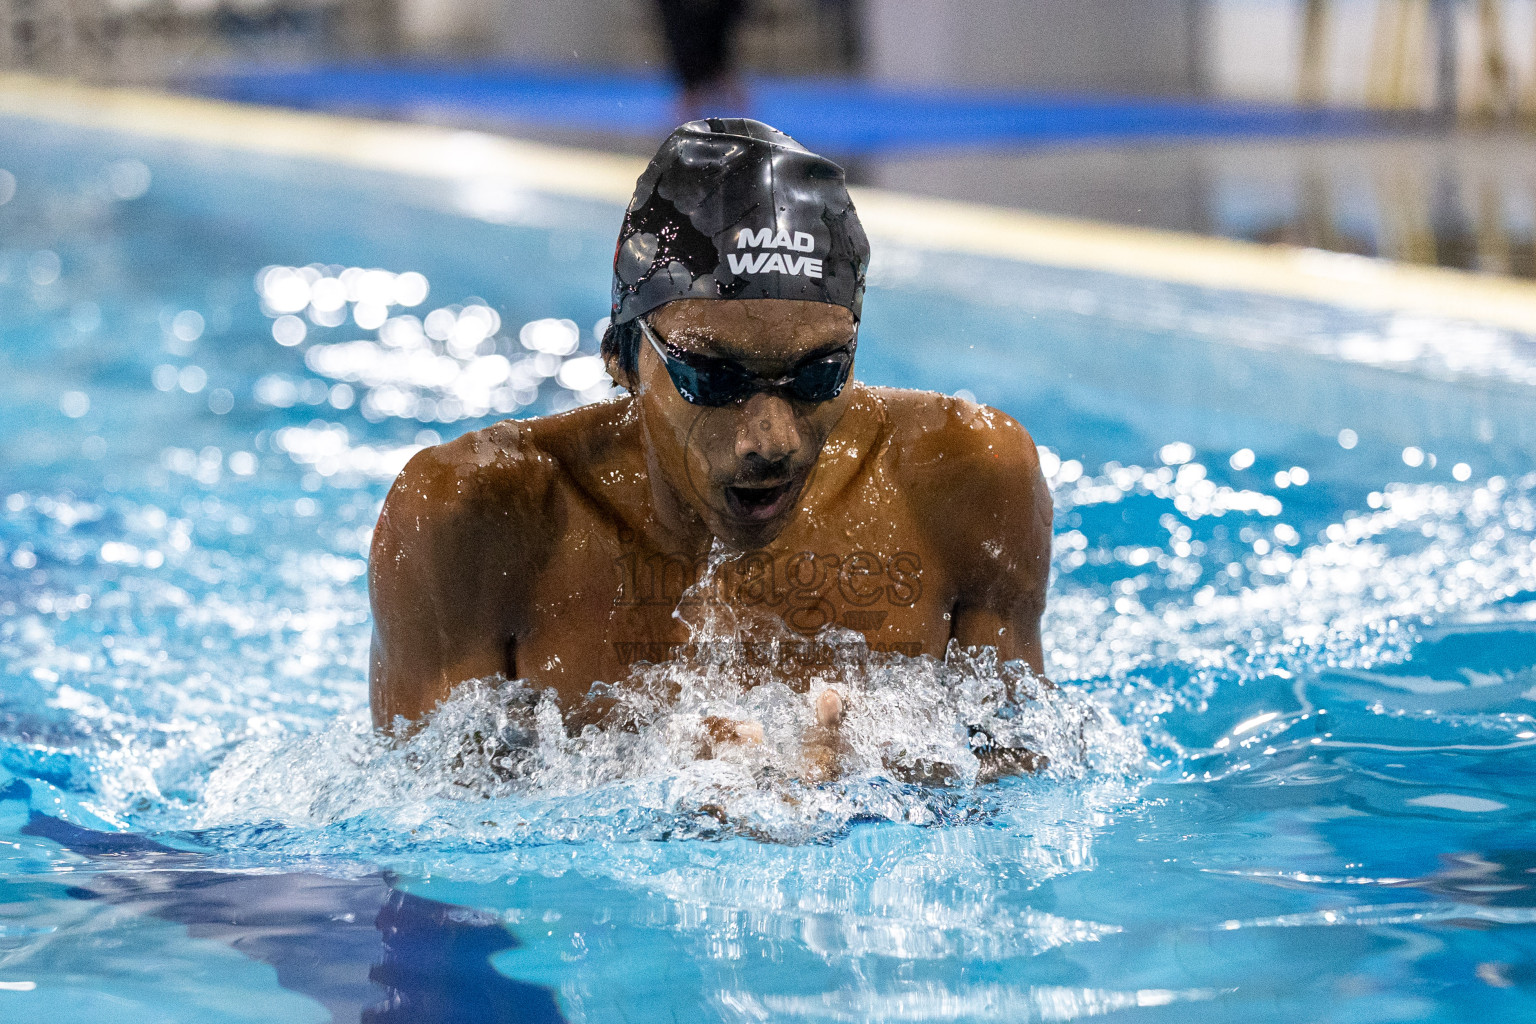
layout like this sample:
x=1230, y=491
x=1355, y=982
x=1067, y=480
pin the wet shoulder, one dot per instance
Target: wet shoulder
x=472, y=475
x=951, y=438
x=972, y=480
x=512, y=466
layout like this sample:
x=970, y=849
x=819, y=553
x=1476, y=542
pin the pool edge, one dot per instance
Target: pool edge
x=931, y=224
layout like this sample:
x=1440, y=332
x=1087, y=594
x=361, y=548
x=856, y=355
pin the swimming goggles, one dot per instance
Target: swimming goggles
x=708, y=380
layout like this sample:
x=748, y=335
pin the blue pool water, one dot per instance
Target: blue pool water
x=1294, y=609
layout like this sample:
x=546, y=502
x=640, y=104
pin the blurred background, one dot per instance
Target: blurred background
x=1396, y=128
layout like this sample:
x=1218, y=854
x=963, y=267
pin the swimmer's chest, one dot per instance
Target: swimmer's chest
x=607, y=601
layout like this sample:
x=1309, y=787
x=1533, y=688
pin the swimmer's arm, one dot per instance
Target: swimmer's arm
x=403, y=686
x=1001, y=542
x=1015, y=636
x=445, y=574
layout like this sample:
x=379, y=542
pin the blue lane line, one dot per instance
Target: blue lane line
x=839, y=116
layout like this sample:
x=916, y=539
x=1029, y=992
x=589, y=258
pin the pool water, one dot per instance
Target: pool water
x=1293, y=613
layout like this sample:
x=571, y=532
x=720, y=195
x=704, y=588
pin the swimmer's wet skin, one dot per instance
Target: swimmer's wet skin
x=745, y=471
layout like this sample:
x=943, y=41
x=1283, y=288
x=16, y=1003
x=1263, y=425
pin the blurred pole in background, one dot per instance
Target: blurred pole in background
x=1530, y=95
x=701, y=42
x=845, y=15
x=1313, y=86
x=1446, y=42
x=370, y=27
x=1498, y=98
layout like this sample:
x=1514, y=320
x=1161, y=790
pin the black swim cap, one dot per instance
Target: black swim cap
x=730, y=208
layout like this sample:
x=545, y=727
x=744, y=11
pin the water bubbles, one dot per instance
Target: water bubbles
x=370, y=287
x=483, y=373
x=550, y=336
x=283, y=289
x=450, y=364
x=85, y=317
x=74, y=404
x=1461, y=472
x=1413, y=457
x=328, y=295
x=44, y=267
x=326, y=292
x=1190, y=490
x=242, y=463
x=581, y=373
x=327, y=317
x=7, y=186
x=288, y=330
x=409, y=289
x=1296, y=476
x=369, y=315
x=187, y=326
x=327, y=450
x=276, y=390
x=1348, y=439
x=221, y=401
x=439, y=324
x=115, y=552
x=1050, y=462
x=470, y=328
x=404, y=331
x=164, y=377
x=128, y=179
x=499, y=740
x=1176, y=453
x=1241, y=459
x=192, y=379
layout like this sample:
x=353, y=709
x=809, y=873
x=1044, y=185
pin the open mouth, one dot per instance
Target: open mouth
x=759, y=504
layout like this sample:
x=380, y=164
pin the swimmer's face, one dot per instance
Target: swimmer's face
x=742, y=466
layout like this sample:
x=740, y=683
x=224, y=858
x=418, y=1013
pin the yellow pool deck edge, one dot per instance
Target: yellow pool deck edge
x=931, y=224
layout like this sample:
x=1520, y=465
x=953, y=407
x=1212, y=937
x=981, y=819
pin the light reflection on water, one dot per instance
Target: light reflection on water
x=1314, y=657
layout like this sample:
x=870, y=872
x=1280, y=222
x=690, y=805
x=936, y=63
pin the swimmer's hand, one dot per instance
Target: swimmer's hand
x=1002, y=762
x=721, y=733
x=998, y=761
x=821, y=750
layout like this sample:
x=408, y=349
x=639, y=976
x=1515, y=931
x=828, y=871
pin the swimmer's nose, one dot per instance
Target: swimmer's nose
x=767, y=429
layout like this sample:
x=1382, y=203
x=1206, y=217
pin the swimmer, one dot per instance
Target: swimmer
x=744, y=461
